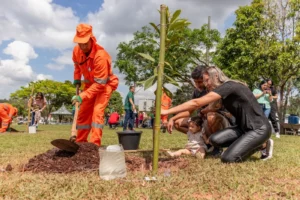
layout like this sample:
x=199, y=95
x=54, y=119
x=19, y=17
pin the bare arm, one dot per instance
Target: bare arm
x=133, y=106
x=259, y=95
x=193, y=104
x=181, y=115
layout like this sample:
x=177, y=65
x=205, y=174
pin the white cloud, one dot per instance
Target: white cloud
x=55, y=66
x=65, y=58
x=60, y=62
x=37, y=22
x=116, y=21
x=40, y=77
x=43, y=24
x=20, y=51
x=16, y=72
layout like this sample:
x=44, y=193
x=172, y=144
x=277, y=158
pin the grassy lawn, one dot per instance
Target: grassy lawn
x=278, y=178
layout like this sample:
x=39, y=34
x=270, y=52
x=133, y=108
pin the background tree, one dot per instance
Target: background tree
x=263, y=44
x=184, y=50
x=56, y=93
x=116, y=103
x=182, y=95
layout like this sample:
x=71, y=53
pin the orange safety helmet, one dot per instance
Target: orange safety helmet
x=83, y=33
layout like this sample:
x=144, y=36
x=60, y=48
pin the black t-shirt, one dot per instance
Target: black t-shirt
x=273, y=90
x=197, y=94
x=274, y=93
x=241, y=103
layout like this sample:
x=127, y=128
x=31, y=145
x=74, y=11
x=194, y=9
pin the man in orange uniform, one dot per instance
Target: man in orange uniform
x=7, y=112
x=94, y=64
x=166, y=103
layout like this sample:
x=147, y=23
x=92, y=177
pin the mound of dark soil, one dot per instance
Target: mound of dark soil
x=59, y=161
x=87, y=159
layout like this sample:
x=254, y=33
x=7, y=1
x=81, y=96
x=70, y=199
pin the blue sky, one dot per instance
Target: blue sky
x=36, y=35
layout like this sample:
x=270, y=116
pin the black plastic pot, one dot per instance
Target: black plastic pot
x=130, y=140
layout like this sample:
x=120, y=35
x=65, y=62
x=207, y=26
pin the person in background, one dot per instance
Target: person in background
x=152, y=118
x=129, y=109
x=136, y=117
x=107, y=114
x=141, y=119
x=38, y=104
x=7, y=112
x=166, y=103
x=93, y=63
x=113, y=120
x=252, y=131
x=264, y=97
x=121, y=120
x=273, y=117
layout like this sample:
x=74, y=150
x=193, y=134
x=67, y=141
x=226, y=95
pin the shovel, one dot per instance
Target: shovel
x=69, y=145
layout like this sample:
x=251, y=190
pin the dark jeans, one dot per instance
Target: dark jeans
x=241, y=145
x=113, y=125
x=274, y=116
x=32, y=118
x=129, y=119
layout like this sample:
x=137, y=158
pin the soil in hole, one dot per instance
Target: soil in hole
x=87, y=159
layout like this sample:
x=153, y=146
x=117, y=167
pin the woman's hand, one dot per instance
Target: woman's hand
x=170, y=125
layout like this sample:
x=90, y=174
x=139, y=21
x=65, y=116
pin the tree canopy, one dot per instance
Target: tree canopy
x=264, y=43
x=56, y=94
x=184, y=49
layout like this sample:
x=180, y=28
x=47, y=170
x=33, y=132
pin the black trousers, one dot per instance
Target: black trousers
x=241, y=145
x=273, y=117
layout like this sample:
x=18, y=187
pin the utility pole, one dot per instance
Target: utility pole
x=207, y=48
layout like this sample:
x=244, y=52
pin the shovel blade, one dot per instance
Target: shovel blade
x=66, y=145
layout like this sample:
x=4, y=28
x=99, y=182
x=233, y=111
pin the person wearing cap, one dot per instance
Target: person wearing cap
x=166, y=103
x=7, y=112
x=93, y=63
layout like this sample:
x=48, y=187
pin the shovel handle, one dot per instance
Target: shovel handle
x=73, y=130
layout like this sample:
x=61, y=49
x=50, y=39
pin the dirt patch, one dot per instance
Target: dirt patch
x=87, y=159
x=59, y=161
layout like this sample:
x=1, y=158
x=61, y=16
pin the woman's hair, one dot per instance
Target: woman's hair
x=218, y=77
x=197, y=120
x=270, y=80
x=40, y=94
x=262, y=82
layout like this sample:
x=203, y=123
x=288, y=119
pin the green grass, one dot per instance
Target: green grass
x=278, y=178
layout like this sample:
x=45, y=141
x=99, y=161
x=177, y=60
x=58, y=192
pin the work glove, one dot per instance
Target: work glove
x=73, y=138
x=77, y=99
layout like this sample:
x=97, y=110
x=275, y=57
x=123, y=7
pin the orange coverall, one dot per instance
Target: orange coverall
x=166, y=103
x=99, y=83
x=7, y=111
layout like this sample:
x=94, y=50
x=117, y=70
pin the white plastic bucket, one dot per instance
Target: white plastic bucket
x=112, y=162
x=32, y=129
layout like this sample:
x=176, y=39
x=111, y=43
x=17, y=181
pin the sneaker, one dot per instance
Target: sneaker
x=210, y=149
x=277, y=135
x=267, y=153
x=169, y=153
x=216, y=152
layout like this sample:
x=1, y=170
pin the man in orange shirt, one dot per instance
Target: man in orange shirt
x=7, y=112
x=166, y=103
x=93, y=63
